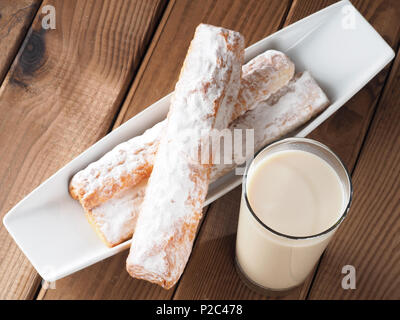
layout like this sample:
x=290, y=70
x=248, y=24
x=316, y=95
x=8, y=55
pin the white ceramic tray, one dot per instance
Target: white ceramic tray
x=339, y=47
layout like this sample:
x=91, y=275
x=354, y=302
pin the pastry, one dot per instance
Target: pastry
x=285, y=111
x=132, y=161
x=172, y=206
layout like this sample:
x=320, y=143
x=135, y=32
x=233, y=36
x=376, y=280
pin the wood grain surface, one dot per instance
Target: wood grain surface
x=210, y=273
x=59, y=97
x=15, y=20
x=369, y=238
x=156, y=78
x=345, y=131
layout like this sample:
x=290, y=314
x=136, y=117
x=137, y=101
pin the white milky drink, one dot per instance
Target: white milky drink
x=295, y=194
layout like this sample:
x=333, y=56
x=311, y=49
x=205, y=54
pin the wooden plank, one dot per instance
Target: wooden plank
x=59, y=97
x=210, y=273
x=369, y=237
x=156, y=78
x=15, y=19
x=344, y=132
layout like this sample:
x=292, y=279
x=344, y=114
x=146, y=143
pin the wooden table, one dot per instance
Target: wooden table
x=64, y=89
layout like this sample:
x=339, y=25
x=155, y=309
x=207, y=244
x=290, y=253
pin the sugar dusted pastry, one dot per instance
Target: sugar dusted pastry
x=113, y=178
x=264, y=76
x=284, y=112
x=132, y=161
x=177, y=187
x=126, y=165
x=114, y=220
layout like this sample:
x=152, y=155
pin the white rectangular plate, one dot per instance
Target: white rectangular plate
x=339, y=47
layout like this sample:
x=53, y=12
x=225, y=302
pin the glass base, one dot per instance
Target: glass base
x=261, y=289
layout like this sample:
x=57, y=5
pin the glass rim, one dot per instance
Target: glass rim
x=280, y=234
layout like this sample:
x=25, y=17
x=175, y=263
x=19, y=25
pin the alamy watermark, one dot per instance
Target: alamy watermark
x=224, y=149
x=349, y=280
x=49, y=20
x=349, y=17
x=49, y=273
